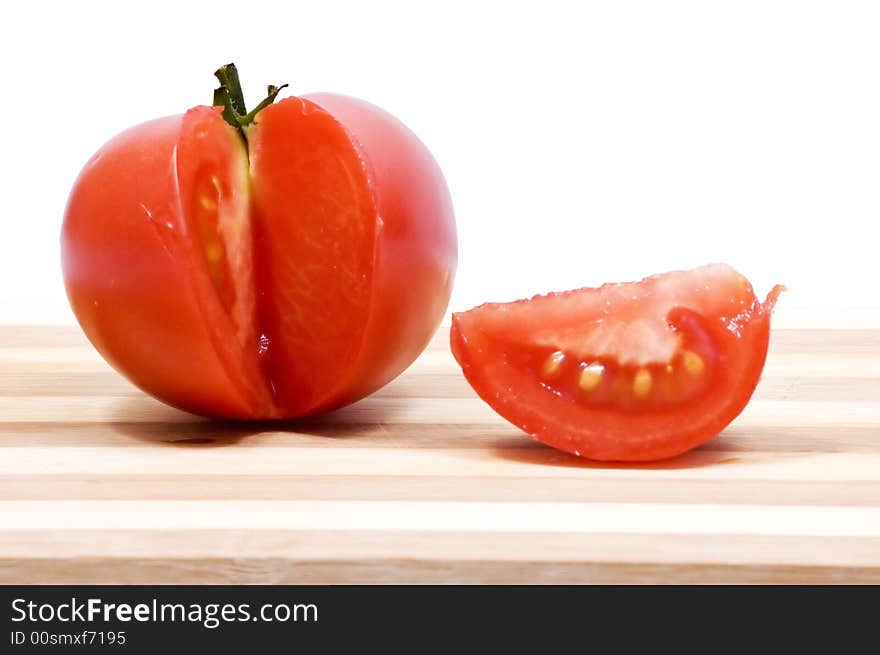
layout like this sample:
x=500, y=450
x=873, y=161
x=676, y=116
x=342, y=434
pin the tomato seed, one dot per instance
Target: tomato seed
x=642, y=382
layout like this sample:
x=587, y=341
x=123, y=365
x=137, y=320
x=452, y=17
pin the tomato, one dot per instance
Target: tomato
x=637, y=371
x=265, y=265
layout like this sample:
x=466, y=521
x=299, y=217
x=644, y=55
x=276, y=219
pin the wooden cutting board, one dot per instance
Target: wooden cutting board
x=424, y=483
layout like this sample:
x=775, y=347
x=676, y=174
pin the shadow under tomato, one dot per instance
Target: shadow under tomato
x=543, y=455
x=166, y=426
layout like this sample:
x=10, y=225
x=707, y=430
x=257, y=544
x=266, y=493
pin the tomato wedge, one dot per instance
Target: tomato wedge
x=637, y=371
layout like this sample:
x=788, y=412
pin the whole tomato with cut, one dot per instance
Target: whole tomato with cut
x=264, y=264
x=637, y=371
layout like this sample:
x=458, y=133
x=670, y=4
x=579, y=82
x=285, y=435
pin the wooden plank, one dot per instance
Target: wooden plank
x=192, y=486
x=411, y=411
x=443, y=516
x=381, y=462
x=328, y=557
x=499, y=435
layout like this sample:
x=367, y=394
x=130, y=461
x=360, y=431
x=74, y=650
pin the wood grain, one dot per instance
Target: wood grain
x=424, y=483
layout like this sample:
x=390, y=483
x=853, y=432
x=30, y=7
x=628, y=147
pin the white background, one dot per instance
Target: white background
x=582, y=142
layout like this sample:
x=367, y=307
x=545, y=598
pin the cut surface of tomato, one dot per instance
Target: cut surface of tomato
x=635, y=371
x=315, y=271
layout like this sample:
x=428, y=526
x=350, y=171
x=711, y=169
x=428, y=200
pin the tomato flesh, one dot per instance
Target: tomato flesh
x=626, y=372
x=212, y=171
x=314, y=272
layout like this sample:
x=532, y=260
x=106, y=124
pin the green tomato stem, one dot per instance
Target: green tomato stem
x=229, y=96
x=228, y=76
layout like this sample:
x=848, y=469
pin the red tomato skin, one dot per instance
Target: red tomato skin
x=612, y=436
x=145, y=301
x=413, y=252
x=130, y=280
